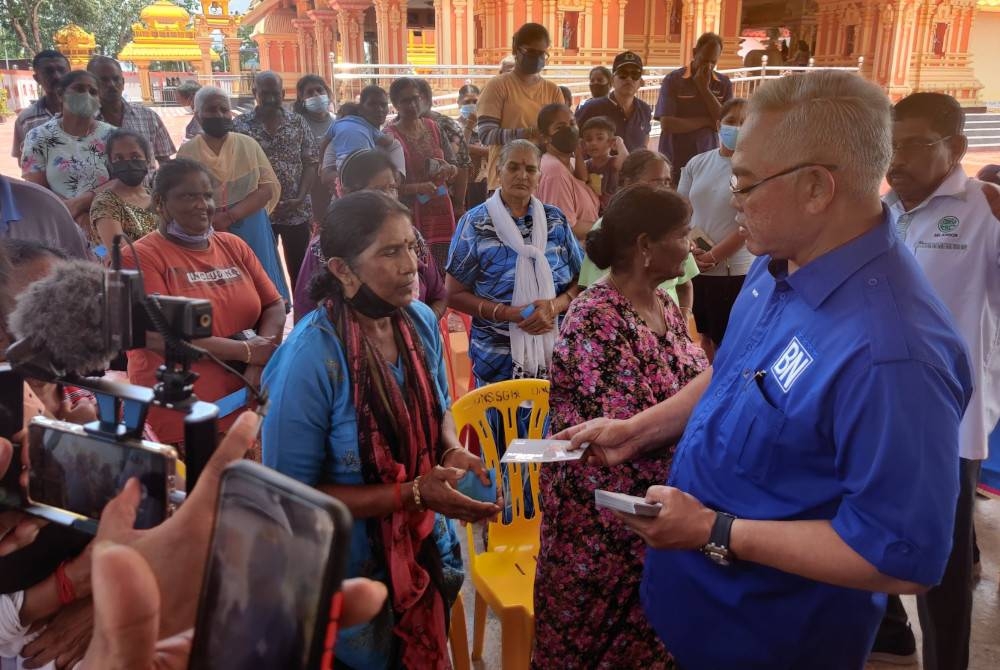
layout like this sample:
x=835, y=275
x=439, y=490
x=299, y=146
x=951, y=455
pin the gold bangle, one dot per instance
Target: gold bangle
x=495, y=308
x=249, y=353
x=479, y=309
x=448, y=451
x=416, y=494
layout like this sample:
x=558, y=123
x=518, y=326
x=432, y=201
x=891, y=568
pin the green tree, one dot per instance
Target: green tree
x=33, y=22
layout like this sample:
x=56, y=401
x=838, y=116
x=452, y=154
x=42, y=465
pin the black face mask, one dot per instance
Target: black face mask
x=530, y=64
x=367, y=303
x=217, y=126
x=130, y=172
x=600, y=90
x=566, y=139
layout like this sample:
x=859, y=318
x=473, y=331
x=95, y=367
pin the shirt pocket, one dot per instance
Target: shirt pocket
x=754, y=432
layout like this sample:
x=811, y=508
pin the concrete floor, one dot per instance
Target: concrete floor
x=985, y=651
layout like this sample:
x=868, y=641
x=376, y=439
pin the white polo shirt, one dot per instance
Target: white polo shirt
x=956, y=240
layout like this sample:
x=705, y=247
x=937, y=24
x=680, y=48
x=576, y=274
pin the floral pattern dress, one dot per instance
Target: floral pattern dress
x=72, y=165
x=607, y=362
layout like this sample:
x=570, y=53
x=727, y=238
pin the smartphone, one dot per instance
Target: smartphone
x=11, y=402
x=73, y=474
x=277, y=557
x=470, y=485
x=702, y=244
x=626, y=503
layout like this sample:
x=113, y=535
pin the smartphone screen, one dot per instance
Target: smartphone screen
x=11, y=402
x=267, y=589
x=80, y=473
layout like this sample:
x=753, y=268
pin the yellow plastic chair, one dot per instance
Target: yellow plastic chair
x=504, y=574
x=459, y=636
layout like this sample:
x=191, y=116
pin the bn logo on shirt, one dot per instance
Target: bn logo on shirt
x=792, y=362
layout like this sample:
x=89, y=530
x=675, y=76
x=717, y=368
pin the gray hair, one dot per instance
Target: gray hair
x=206, y=92
x=189, y=87
x=831, y=117
x=511, y=147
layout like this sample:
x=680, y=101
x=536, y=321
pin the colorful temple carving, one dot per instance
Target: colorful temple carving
x=76, y=44
x=906, y=45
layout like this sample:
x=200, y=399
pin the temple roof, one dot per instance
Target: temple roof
x=164, y=14
x=988, y=5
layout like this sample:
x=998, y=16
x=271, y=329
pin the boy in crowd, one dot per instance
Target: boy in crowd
x=599, y=141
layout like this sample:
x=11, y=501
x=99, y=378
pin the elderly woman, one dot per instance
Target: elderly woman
x=648, y=167
x=425, y=189
x=246, y=187
x=125, y=208
x=513, y=265
x=371, y=169
x=564, y=172
x=360, y=410
x=623, y=347
x=67, y=154
x=187, y=257
x=719, y=250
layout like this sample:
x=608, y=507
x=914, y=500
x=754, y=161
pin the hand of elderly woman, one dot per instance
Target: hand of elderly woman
x=222, y=220
x=541, y=320
x=437, y=492
x=261, y=349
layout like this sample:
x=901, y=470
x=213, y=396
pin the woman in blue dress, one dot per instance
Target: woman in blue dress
x=360, y=410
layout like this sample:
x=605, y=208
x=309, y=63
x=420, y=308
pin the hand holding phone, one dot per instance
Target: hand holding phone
x=628, y=504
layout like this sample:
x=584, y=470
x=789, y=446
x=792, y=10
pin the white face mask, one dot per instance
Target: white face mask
x=318, y=103
x=81, y=104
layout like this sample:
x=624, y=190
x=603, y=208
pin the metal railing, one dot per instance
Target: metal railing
x=350, y=78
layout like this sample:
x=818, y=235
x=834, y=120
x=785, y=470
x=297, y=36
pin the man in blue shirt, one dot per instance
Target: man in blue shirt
x=690, y=105
x=632, y=117
x=818, y=468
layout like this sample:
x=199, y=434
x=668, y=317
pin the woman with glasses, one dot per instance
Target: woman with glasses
x=719, y=249
x=372, y=170
x=510, y=103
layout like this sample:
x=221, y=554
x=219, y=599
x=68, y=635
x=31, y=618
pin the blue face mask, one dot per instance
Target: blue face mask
x=467, y=110
x=728, y=136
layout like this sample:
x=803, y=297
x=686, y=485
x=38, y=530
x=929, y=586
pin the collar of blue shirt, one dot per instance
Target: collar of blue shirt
x=816, y=280
x=8, y=208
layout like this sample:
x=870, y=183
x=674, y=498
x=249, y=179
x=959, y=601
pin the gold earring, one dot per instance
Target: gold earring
x=646, y=261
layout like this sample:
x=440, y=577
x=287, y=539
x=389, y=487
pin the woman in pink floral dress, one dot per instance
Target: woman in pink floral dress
x=623, y=347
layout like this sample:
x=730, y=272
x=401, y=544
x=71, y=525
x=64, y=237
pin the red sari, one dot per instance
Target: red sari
x=435, y=219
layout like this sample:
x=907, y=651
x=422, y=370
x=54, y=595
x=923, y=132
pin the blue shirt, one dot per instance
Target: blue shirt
x=852, y=417
x=350, y=134
x=679, y=97
x=485, y=265
x=311, y=434
x=633, y=129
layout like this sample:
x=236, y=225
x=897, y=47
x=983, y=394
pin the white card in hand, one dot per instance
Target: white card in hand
x=623, y=502
x=540, y=451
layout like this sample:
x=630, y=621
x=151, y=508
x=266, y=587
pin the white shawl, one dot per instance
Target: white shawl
x=533, y=281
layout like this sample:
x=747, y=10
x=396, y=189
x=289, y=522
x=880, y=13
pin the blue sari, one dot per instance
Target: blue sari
x=255, y=230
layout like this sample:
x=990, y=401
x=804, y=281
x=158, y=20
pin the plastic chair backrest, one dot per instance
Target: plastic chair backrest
x=506, y=398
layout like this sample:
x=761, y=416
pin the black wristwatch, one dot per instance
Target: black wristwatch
x=717, y=548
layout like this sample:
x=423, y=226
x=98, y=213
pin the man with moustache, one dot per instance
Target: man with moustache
x=632, y=117
x=818, y=468
x=946, y=220
x=49, y=66
x=128, y=115
x=293, y=151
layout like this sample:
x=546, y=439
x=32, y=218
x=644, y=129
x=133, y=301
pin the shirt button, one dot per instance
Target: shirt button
x=873, y=282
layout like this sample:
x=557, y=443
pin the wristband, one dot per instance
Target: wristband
x=64, y=585
x=416, y=494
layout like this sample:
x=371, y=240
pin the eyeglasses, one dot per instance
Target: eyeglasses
x=737, y=190
x=913, y=148
x=533, y=53
x=635, y=75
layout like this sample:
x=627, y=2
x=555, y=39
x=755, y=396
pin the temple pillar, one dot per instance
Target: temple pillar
x=145, y=85
x=728, y=26
x=205, y=46
x=351, y=26
x=390, y=22
x=233, y=45
x=304, y=28
x=323, y=41
x=465, y=31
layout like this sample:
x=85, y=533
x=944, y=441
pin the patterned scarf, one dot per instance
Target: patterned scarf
x=398, y=436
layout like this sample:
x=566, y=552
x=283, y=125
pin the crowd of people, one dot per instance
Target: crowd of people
x=739, y=326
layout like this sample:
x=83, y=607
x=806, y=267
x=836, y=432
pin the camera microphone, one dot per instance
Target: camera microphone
x=60, y=323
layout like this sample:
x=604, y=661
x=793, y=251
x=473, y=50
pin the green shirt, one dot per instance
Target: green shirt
x=590, y=273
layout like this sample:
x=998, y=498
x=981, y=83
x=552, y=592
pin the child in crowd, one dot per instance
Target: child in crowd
x=598, y=142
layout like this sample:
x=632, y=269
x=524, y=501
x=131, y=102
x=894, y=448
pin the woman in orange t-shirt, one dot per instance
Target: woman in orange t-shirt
x=186, y=257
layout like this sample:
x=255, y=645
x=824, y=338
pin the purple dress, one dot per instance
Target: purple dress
x=607, y=362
